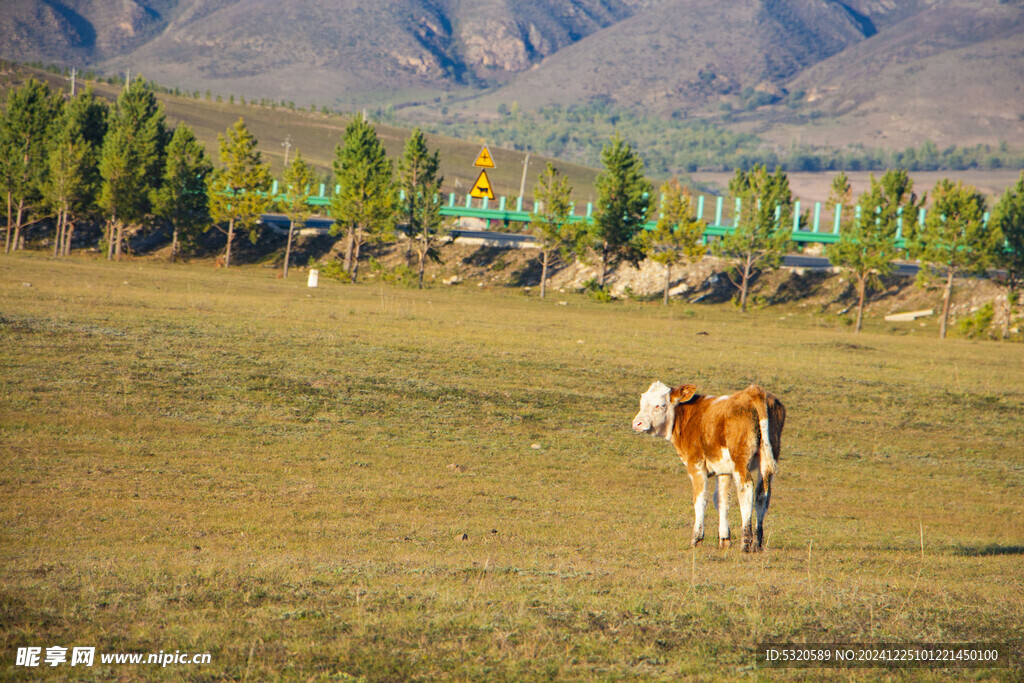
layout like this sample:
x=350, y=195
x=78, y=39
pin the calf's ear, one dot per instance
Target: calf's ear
x=683, y=394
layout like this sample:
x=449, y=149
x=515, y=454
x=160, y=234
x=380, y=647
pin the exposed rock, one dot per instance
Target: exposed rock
x=496, y=45
x=424, y=64
x=769, y=88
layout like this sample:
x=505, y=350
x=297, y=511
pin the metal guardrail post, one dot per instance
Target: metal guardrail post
x=503, y=214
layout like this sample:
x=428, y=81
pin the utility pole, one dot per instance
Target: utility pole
x=287, y=144
x=522, y=183
x=74, y=72
x=127, y=78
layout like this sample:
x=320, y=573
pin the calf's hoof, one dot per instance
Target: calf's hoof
x=695, y=541
x=724, y=543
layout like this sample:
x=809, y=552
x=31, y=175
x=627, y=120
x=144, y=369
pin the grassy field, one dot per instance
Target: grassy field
x=392, y=484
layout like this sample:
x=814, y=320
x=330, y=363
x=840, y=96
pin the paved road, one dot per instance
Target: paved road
x=511, y=240
x=821, y=262
x=280, y=222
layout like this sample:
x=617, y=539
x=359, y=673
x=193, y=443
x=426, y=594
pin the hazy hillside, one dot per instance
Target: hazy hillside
x=953, y=73
x=307, y=50
x=680, y=54
x=79, y=31
x=316, y=135
x=872, y=72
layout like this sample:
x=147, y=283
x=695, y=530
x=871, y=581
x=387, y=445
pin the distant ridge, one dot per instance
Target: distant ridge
x=874, y=72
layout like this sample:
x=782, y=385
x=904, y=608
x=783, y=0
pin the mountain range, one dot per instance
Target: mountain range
x=823, y=72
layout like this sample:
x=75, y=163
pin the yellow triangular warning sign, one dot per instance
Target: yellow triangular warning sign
x=482, y=187
x=483, y=159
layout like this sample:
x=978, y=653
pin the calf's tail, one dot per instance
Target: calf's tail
x=770, y=417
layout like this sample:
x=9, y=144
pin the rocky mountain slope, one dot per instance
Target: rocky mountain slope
x=878, y=72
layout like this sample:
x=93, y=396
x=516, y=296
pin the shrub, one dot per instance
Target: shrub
x=402, y=274
x=596, y=292
x=978, y=325
x=334, y=270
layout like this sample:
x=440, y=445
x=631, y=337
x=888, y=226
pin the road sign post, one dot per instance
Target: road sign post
x=482, y=188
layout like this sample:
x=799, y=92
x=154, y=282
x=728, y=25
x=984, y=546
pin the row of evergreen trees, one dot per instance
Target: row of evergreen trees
x=74, y=160
x=958, y=235
x=78, y=160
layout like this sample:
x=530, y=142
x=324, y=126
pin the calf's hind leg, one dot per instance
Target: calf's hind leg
x=722, y=503
x=761, y=502
x=745, y=491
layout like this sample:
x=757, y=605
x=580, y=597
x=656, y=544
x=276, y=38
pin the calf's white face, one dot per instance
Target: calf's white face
x=655, y=416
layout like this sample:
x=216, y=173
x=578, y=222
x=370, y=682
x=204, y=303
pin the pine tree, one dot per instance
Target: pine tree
x=66, y=183
x=623, y=197
x=365, y=205
x=841, y=194
x=678, y=236
x=73, y=180
x=956, y=237
x=298, y=186
x=88, y=116
x=182, y=199
x=552, y=205
x=238, y=190
x=1008, y=218
x=25, y=134
x=761, y=234
x=418, y=178
x=898, y=204
x=866, y=244
x=131, y=162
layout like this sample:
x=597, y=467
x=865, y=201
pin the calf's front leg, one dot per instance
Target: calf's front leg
x=699, y=479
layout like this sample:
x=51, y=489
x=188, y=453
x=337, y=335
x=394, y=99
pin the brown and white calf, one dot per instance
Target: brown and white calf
x=736, y=436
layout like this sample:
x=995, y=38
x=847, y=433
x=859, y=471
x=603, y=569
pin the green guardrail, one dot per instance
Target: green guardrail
x=818, y=229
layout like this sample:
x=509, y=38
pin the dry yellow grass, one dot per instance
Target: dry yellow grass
x=316, y=484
